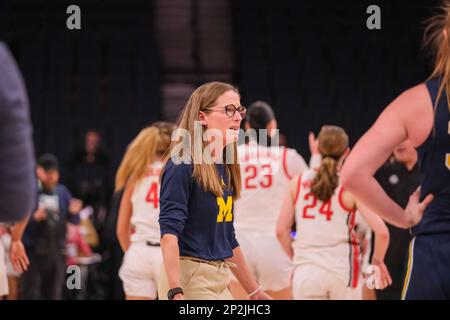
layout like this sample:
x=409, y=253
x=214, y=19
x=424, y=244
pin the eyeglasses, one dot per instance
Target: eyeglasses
x=230, y=110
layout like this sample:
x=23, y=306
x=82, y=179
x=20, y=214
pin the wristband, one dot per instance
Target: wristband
x=254, y=292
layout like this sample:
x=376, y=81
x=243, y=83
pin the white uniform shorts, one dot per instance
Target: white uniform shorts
x=311, y=282
x=266, y=259
x=140, y=270
x=3, y=273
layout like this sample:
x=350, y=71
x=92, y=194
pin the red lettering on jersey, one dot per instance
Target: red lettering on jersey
x=251, y=169
x=309, y=206
x=265, y=171
x=324, y=209
x=306, y=184
x=152, y=195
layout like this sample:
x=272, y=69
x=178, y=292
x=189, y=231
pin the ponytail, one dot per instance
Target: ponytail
x=326, y=180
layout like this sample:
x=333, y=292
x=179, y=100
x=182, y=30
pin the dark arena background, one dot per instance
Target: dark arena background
x=134, y=62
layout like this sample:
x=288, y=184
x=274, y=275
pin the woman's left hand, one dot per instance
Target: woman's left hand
x=415, y=209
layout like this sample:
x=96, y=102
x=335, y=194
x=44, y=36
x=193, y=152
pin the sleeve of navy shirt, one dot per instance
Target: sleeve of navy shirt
x=67, y=197
x=17, y=183
x=175, y=189
x=29, y=234
x=234, y=242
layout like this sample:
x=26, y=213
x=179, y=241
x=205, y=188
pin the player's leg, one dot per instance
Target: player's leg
x=13, y=284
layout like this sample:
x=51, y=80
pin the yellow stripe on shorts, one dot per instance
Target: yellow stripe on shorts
x=409, y=268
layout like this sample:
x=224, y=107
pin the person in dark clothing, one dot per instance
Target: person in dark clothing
x=45, y=235
x=90, y=169
x=89, y=180
x=399, y=177
x=112, y=255
x=17, y=181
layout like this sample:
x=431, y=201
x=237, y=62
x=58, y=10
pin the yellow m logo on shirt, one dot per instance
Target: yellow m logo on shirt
x=225, y=209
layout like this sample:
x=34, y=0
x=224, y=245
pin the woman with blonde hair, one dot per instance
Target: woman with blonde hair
x=198, y=240
x=325, y=251
x=422, y=115
x=137, y=225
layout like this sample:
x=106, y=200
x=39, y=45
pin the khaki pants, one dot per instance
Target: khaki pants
x=199, y=280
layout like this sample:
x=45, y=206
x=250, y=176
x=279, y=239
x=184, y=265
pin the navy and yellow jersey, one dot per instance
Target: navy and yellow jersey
x=202, y=221
x=434, y=157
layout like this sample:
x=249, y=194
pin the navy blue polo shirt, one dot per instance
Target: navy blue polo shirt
x=202, y=221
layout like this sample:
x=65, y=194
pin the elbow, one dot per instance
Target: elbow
x=383, y=234
x=350, y=178
x=280, y=233
x=168, y=240
x=347, y=177
x=121, y=232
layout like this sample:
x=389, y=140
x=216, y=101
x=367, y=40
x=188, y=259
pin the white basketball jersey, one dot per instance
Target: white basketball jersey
x=325, y=232
x=265, y=172
x=145, y=206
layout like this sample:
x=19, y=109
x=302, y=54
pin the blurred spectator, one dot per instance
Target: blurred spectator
x=89, y=181
x=79, y=253
x=17, y=184
x=399, y=178
x=282, y=140
x=113, y=254
x=45, y=234
x=76, y=244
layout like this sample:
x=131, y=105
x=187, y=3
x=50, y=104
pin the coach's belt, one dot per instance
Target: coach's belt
x=152, y=244
x=216, y=263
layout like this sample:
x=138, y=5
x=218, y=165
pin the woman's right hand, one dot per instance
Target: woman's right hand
x=40, y=214
x=313, y=143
